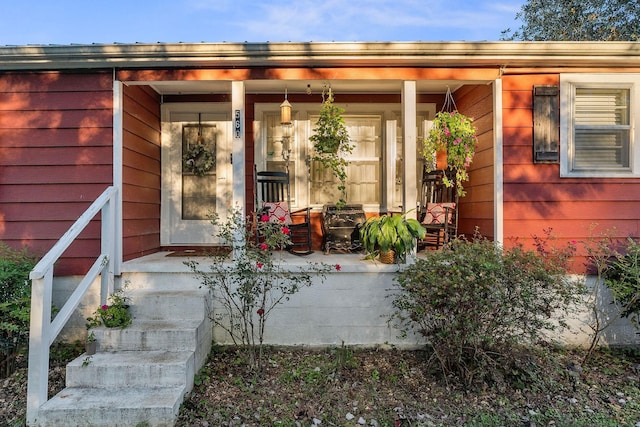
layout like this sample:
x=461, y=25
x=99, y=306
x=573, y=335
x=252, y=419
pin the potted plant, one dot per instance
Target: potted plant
x=115, y=314
x=331, y=143
x=390, y=236
x=454, y=133
x=90, y=346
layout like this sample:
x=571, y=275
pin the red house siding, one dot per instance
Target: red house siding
x=141, y=171
x=536, y=198
x=55, y=157
x=476, y=208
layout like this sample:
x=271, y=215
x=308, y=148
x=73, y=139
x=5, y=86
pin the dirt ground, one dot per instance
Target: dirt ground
x=345, y=387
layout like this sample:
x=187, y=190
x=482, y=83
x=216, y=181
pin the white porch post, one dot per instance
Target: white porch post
x=498, y=224
x=238, y=148
x=117, y=235
x=409, y=138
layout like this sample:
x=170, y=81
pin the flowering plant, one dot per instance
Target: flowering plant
x=115, y=314
x=274, y=234
x=253, y=282
x=455, y=133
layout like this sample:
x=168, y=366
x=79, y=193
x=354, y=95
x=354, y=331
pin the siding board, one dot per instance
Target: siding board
x=54, y=137
x=55, y=173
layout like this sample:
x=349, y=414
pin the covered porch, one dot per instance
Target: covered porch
x=387, y=114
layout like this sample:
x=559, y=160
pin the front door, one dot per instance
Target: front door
x=196, y=171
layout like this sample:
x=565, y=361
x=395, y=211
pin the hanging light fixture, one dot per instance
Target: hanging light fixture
x=285, y=122
x=285, y=111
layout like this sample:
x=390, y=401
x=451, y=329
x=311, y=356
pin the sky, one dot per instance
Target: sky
x=28, y=22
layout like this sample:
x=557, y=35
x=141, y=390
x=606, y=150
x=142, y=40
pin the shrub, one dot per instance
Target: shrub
x=622, y=277
x=473, y=301
x=15, y=303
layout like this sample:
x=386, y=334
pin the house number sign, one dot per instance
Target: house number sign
x=237, y=125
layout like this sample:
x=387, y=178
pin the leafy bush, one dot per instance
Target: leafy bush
x=622, y=277
x=15, y=303
x=473, y=301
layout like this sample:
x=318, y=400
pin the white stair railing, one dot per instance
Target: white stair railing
x=43, y=330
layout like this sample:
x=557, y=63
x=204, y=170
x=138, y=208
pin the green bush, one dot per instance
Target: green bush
x=15, y=303
x=622, y=277
x=474, y=302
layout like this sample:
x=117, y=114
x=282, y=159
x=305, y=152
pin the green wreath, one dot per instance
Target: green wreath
x=198, y=160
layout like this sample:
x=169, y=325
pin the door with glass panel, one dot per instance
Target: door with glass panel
x=363, y=170
x=196, y=172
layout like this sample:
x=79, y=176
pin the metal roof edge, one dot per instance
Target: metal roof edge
x=456, y=54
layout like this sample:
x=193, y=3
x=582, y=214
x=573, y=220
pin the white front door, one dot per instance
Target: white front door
x=196, y=171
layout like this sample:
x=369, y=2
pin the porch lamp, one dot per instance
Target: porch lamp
x=285, y=122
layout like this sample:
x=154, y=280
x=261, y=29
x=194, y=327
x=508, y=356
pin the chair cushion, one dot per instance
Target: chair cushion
x=437, y=213
x=278, y=212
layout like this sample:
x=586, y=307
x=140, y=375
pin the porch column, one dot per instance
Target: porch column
x=409, y=137
x=237, y=151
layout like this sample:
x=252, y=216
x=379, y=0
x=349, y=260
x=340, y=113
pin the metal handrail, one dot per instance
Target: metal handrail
x=43, y=330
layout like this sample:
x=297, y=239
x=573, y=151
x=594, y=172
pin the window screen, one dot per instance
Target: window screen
x=601, y=129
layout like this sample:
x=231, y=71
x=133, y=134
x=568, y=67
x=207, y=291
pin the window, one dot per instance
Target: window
x=363, y=171
x=597, y=136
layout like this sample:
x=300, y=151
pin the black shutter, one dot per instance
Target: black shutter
x=546, y=129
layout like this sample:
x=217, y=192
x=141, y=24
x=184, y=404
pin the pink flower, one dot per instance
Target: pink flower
x=457, y=141
x=338, y=267
x=574, y=242
x=260, y=311
x=259, y=264
x=285, y=230
x=264, y=246
x=105, y=307
x=281, y=219
x=447, y=132
x=264, y=218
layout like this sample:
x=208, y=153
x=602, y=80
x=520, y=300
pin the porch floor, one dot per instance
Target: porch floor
x=160, y=262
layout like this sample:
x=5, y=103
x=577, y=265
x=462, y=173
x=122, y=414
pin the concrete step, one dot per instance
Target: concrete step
x=133, y=369
x=81, y=407
x=154, y=335
x=152, y=304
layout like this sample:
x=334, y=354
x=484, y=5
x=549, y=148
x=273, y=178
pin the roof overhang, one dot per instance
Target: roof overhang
x=322, y=54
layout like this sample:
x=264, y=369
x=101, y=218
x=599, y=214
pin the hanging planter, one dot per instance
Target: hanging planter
x=455, y=134
x=331, y=143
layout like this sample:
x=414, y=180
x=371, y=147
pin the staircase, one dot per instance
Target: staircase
x=140, y=374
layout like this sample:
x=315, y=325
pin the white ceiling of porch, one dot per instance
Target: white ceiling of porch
x=300, y=86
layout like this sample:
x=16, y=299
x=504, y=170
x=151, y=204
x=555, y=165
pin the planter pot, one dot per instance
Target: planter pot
x=90, y=347
x=441, y=159
x=388, y=257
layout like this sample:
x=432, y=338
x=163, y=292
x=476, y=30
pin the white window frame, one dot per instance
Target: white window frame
x=568, y=85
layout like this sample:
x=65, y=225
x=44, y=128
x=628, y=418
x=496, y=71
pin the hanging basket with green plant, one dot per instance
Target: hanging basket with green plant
x=331, y=143
x=454, y=133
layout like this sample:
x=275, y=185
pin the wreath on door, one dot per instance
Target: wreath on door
x=198, y=160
